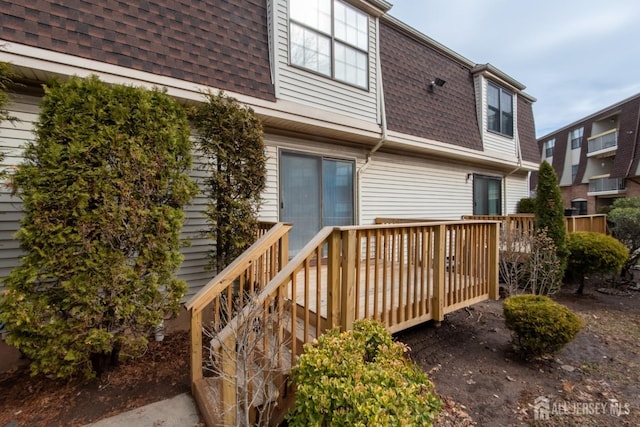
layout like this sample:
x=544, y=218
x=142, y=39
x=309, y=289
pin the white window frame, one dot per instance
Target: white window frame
x=576, y=138
x=333, y=42
x=548, y=148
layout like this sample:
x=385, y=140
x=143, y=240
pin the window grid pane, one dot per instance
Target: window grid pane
x=310, y=50
x=350, y=65
x=313, y=13
x=350, y=26
x=349, y=43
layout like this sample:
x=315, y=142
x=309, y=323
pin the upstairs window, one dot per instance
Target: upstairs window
x=499, y=110
x=548, y=148
x=574, y=172
x=331, y=38
x=576, y=138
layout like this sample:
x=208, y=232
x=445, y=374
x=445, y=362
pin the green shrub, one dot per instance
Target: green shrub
x=103, y=187
x=540, y=325
x=550, y=212
x=624, y=218
x=594, y=253
x=526, y=205
x=230, y=139
x=360, y=378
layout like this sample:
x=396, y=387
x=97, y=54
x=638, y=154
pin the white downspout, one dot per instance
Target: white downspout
x=519, y=156
x=383, y=124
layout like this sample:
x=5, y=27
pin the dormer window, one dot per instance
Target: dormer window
x=576, y=138
x=331, y=38
x=548, y=148
x=499, y=110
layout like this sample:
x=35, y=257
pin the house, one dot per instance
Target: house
x=364, y=116
x=596, y=158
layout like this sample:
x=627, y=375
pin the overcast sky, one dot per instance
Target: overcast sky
x=575, y=56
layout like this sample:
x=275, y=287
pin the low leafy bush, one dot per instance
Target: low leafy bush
x=526, y=205
x=540, y=325
x=360, y=378
x=594, y=253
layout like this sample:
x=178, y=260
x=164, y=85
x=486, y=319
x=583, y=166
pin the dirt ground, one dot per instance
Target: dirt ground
x=37, y=401
x=593, y=381
x=469, y=358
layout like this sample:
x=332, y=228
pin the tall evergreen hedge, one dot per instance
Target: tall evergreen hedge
x=549, y=210
x=103, y=186
x=230, y=138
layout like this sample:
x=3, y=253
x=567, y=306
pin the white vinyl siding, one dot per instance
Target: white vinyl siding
x=303, y=86
x=14, y=136
x=405, y=187
x=516, y=187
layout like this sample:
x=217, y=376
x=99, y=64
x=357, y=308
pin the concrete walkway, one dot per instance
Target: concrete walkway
x=179, y=411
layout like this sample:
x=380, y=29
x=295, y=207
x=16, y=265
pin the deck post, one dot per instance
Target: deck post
x=333, y=277
x=196, y=347
x=439, y=268
x=494, y=260
x=283, y=254
x=228, y=360
x=347, y=294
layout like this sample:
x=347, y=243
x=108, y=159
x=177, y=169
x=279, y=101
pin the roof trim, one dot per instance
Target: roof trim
x=373, y=7
x=492, y=71
x=590, y=116
x=420, y=37
x=473, y=67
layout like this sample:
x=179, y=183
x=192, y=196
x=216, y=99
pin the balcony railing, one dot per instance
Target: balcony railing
x=603, y=141
x=602, y=185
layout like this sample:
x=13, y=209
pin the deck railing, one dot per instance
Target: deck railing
x=212, y=307
x=399, y=274
x=525, y=222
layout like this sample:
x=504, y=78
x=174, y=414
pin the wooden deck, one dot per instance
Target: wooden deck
x=399, y=274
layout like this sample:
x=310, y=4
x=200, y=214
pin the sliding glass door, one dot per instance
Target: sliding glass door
x=487, y=199
x=315, y=191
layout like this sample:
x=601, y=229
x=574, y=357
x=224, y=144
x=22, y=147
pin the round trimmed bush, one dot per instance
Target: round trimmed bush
x=594, y=253
x=540, y=325
x=360, y=378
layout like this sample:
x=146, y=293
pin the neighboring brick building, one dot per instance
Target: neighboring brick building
x=597, y=158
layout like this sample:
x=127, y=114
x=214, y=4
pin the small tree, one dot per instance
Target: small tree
x=549, y=211
x=594, y=253
x=542, y=268
x=231, y=139
x=625, y=226
x=255, y=350
x=103, y=188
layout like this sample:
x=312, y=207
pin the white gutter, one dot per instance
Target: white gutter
x=383, y=124
x=504, y=178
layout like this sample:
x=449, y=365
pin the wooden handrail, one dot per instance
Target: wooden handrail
x=278, y=280
x=229, y=274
